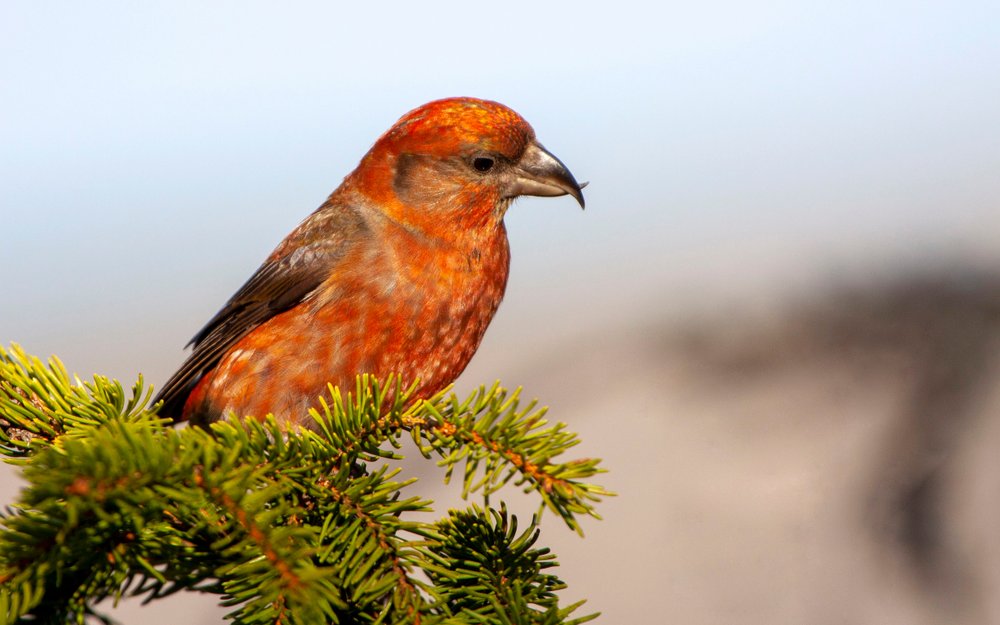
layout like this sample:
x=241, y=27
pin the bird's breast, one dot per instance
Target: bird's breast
x=420, y=307
x=418, y=310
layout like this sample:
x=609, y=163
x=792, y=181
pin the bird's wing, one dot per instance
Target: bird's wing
x=283, y=281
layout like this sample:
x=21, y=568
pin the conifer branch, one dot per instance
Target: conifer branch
x=286, y=527
x=489, y=430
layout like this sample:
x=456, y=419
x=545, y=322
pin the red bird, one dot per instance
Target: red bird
x=398, y=272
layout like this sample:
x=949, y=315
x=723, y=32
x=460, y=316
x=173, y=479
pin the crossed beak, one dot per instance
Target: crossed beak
x=540, y=173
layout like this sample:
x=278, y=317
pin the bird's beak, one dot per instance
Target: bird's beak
x=540, y=173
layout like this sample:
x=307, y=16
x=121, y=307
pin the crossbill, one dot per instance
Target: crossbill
x=400, y=271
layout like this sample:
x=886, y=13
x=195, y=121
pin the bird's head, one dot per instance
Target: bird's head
x=459, y=161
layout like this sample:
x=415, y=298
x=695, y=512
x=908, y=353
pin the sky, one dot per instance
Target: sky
x=152, y=154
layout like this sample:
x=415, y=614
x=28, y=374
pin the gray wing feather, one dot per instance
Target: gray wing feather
x=277, y=285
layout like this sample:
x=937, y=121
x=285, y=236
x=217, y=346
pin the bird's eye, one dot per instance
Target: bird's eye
x=482, y=163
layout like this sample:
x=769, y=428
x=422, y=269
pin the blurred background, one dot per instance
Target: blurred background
x=777, y=321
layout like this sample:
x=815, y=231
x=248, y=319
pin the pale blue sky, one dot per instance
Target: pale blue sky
x=152, y=153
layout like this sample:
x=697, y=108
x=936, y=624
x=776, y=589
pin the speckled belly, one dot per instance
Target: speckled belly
x=426, y=325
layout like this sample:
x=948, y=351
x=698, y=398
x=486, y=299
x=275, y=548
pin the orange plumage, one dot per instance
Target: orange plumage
x=400, y=271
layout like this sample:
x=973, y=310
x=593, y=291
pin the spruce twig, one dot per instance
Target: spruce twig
x=305, y=526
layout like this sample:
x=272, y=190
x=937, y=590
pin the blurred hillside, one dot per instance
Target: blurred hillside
x=828, y=458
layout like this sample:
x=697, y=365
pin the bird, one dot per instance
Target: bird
x=399, y=272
